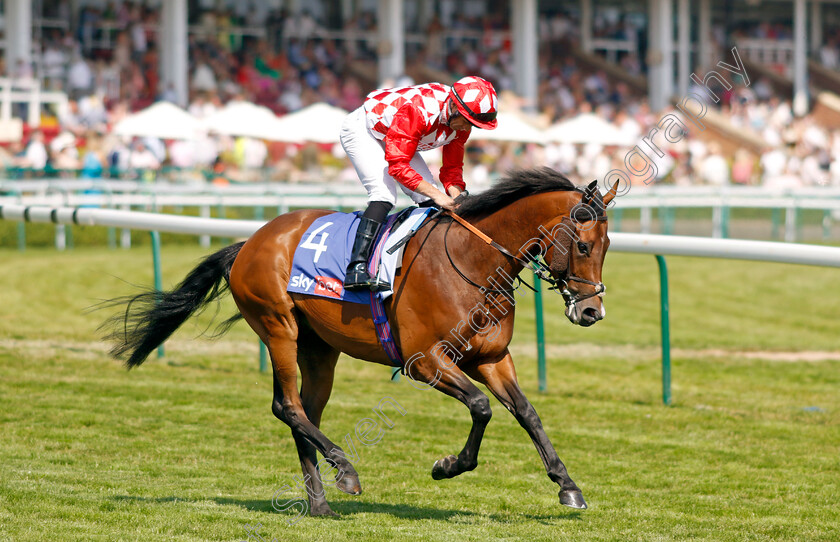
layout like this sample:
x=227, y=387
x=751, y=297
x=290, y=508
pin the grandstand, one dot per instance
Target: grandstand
x=85, y=65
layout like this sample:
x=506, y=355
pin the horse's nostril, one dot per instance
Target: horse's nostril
x=589, y=312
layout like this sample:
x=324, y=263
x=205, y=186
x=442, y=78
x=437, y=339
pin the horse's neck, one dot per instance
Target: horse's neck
x=516, y=224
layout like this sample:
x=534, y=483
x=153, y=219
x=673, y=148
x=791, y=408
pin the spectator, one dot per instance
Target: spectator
x=773, y=164
x=79, y=78
x=23, y=70
x=742, y=168
x=54, y=61
x=141, y=157
x=65, y=154
x=92, y=113
x=35, y=156
x=203, y=77
x=169, y=95
x=139, y=45
x=93, y=161
x=714, y=169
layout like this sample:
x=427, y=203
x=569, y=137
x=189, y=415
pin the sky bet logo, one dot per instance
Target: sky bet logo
x=325, y=286
x=301, y=281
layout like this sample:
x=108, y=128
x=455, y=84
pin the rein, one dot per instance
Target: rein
x=540, y=269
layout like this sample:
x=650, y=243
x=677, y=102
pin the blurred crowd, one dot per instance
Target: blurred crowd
x=108, y=66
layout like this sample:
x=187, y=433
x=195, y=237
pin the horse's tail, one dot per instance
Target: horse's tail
x=152, y=316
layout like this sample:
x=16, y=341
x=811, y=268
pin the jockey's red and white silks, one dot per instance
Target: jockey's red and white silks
x=368, y=157
x=411, y=119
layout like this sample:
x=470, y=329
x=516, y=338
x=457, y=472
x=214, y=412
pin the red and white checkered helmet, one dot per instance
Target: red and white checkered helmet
x=476, y=100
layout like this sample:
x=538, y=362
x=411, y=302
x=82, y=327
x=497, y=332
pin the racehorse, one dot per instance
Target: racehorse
x=453, y=300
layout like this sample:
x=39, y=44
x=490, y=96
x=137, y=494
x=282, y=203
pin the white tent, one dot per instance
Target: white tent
x=244, y=119
x=587, y=128
x=318, y=122
x=511, y=127
x=163, y=120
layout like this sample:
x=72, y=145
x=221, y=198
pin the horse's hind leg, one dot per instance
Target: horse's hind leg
x=317, y=361
x=500, y=378
x=280, y=334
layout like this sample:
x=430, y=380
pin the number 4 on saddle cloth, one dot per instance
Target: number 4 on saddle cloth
x=323, y=254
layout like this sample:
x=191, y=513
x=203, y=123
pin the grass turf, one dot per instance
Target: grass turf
x=185, y=448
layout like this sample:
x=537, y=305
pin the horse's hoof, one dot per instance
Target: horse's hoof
x=324, y=511
x=440, y=470
x=349, y=484
x=572, y=498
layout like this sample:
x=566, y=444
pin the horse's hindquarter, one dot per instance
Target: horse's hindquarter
x=347, y=327
x=260, y=273
x=260, y=276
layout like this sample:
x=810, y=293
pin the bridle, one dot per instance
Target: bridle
x=541, y=270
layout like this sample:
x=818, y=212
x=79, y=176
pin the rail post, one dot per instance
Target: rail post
x=618, y=215
x=263, y=358
x=790, y=223
x=538, y=309
x=125, y=233
x=204, y=240
x=724, y=222
x=21, y=226
x=667, y=220
x=826, y=225
x=717, y=222
x=112, y=232
x=21, y=236
x=221, y=213
x=646, y=218
x=666, y=330
x=158, y=274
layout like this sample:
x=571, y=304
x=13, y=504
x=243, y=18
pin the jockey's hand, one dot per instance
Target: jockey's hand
x=461, y=197
x=443, y=201
x=453, y=191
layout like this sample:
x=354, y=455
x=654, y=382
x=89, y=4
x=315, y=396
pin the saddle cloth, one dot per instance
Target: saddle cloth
x=321, y=258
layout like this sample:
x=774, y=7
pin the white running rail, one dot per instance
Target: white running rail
x=665, y=245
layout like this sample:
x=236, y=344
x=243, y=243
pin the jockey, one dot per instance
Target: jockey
x=382, y=139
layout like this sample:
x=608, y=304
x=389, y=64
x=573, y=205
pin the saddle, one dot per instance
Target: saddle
x=321, y=259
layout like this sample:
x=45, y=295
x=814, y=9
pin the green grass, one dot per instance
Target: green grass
x=185, y=448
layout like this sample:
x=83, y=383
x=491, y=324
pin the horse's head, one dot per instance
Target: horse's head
x=579, y=243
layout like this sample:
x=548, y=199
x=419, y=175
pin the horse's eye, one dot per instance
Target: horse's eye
x=583, y=248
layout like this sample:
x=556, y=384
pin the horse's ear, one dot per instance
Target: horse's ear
x=589, y=193
x=608, y=197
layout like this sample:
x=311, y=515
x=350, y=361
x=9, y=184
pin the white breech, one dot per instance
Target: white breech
x=368, y=157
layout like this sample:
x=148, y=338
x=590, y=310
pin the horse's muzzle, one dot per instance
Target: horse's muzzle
x=589, y=316
x=585, y=313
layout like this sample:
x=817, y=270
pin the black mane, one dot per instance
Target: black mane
x=516, y=185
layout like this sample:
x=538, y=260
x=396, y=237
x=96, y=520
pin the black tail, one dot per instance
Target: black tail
x=152, y=316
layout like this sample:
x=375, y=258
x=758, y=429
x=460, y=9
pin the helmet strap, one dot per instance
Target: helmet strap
x=448, y=111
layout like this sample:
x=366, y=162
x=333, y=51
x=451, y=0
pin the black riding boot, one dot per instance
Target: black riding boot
x=358, y=277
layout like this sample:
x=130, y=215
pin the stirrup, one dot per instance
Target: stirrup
x=366, y=284
x=377, y=285
x=357, y=277
x=359, y=280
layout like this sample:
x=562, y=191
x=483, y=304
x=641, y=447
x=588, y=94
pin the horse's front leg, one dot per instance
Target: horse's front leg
x=500, y=377
x=454, y=383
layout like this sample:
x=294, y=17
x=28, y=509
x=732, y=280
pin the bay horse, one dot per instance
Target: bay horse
x=451, y=313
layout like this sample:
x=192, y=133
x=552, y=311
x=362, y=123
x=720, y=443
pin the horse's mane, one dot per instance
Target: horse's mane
x=515, y=185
